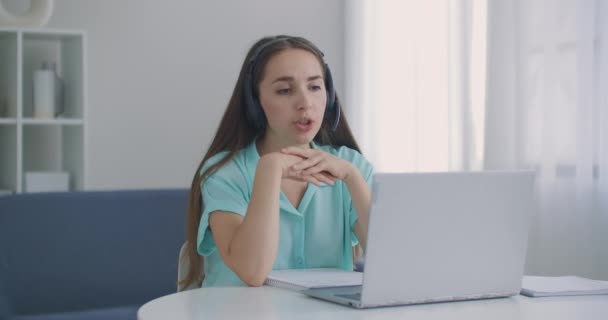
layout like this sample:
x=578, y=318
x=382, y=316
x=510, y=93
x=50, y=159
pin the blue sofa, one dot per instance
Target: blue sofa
x=88, y=255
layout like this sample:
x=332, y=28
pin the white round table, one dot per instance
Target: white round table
x=273, y=303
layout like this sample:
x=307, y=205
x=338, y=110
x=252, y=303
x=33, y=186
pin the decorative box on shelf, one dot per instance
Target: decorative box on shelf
x=47, y=181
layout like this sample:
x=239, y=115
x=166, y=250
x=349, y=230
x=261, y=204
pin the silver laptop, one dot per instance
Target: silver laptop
x=437, y=237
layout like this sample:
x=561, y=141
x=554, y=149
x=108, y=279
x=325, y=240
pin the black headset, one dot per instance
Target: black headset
x=253, y=110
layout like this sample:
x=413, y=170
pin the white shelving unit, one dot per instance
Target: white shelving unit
x=42, y=144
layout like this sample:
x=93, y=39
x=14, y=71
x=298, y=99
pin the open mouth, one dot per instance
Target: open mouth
x=303, y=124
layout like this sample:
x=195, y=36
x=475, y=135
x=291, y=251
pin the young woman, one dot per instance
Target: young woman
x=283, y=184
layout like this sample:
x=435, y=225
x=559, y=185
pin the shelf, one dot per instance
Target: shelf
x=8, y=157
x=30, y=143
x=8, y=73
x=43, y=31
x=54, y=148
x=66, y=52
x=8, y=121
x=60, y=121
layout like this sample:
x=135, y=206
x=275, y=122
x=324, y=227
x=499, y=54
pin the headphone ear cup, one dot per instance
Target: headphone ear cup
x=337, y=115
x=329, y=87
x=260, y=117
x=253, y=110
x=333, y=106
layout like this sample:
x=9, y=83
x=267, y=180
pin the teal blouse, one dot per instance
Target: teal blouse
x=317, y=234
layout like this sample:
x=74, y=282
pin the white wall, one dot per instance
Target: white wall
x=161, y=73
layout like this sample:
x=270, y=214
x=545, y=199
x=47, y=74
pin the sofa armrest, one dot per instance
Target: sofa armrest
x=86, y=250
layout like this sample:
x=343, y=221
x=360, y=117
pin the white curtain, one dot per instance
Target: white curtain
x=414, y=96
x=547, y=110
x=496, y=85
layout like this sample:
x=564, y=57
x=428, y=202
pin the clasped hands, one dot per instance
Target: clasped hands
x=314, y=166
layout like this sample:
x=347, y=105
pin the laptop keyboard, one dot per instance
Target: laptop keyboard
x=351, y=296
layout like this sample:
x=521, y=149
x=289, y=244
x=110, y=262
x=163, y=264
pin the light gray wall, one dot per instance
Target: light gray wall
x=161, y=73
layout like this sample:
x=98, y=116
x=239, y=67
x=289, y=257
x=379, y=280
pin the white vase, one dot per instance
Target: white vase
x=37, y=15
x=48, y=89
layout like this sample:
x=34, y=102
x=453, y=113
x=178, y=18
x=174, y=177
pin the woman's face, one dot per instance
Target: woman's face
x=292, y=94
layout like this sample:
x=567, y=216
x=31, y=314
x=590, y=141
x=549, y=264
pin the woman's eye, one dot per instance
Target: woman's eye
x=283, y=91
x=315, y=88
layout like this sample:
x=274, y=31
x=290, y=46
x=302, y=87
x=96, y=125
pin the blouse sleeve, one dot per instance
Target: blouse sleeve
x=225, y=190
x=367, y=171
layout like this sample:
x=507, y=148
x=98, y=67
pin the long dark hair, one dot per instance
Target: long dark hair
x=235, y=132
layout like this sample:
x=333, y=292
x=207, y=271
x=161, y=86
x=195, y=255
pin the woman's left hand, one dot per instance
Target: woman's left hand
x=319, y=162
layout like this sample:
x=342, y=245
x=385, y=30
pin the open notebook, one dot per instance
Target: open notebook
x=301, y=279
x=533, y=286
